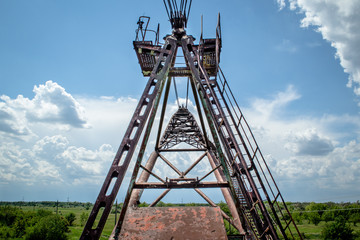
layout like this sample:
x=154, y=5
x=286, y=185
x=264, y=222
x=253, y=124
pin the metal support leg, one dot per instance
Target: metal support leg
x=227, y=194
x=144, y=177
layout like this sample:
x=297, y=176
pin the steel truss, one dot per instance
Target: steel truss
x=257, y=207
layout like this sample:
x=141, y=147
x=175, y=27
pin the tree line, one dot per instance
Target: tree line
x=40, y=204
x=18, y=223
x=338, y=217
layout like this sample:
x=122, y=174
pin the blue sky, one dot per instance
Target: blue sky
x=70, y=81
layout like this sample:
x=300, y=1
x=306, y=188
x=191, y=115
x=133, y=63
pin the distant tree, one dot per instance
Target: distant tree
x=8, y=215
x=143, y=204
x=43, y=213
x=52, y=227
x=224, y=207
x=20, y=225
x=354, y=218
x=83, y=218
x=298, y=217
x=6, y=232
x=338, y=230
x=70, y=217
x=328, y=216
x=314, y=212
x=87, y=205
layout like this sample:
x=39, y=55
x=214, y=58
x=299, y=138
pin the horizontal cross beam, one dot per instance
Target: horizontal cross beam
x=170, y=185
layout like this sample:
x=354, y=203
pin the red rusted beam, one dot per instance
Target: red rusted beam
x=181, y=185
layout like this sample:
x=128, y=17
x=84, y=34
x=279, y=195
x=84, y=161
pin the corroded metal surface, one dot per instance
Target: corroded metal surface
x=251, y=191
x=182, y=127
x=173, y=223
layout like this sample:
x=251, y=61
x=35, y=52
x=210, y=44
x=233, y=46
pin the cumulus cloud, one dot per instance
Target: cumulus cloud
x=296, y=148
x=310, y=143
x=48, y=154
x=52, y=160
x=11, y=121
x=306, y=148
x=51, y=104
x=338, y=170
x=338, y=22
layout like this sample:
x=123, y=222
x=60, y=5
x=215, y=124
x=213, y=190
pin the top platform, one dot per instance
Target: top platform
x=148, y=53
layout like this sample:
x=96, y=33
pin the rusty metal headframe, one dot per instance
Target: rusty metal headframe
x=257, y=207
x=182, y=128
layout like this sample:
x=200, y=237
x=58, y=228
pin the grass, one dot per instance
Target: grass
x=310, y=231
x=77, y=228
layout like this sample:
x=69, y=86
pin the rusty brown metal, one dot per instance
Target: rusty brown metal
x=128, y=145
x=170, y=185
x=158, y=223
x=144, y=177
x=235, y=158
x=219, y=174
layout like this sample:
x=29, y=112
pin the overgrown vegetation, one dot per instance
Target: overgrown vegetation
x=65, y=220
x=30, y=225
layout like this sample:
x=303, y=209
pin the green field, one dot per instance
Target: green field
x=81, y=211
x=76, y=229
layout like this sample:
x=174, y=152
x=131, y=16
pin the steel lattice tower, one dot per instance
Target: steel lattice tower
x=218, y=132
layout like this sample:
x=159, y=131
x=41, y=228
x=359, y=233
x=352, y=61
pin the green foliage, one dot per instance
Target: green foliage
x=6, y=232
x=83, y=218
x=25, y=215
x=8, y=215
x=51, y=227
x=228, y=227
x=143, y=204
x=16, y=223
x=70, y=217
x=298, y=217
x=338, y=230
x=224, y=207
x=314, y=212
x=42, y=204
x=354, y=218
x=328, y=216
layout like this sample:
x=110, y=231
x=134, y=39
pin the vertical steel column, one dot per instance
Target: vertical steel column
x=144, y=177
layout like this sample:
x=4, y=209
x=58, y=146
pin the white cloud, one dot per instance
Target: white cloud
x=50, y=105
x=298, y=148
x=338, y=22
x=310, y=143
x=338, y=170
x=306, y=148
x=54, y=105
x=11, y=121
x=281, y=4
x=269, y=107
x=53, y=160
x=50, y=155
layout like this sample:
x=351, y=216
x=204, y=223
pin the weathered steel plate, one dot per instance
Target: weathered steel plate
x=173, y=223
